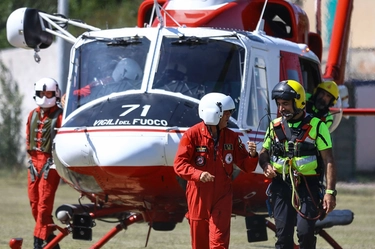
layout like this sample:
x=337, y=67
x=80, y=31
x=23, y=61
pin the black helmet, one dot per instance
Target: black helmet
x=290, y=90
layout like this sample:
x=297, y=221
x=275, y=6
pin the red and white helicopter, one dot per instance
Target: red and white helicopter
x=133, y=92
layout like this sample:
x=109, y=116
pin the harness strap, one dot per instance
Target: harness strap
x=284, y=132
x=46, y=168
x=33, y=172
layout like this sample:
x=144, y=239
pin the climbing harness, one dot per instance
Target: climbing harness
x=288, y=148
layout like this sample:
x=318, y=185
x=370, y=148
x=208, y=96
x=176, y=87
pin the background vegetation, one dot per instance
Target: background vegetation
x=10, y=121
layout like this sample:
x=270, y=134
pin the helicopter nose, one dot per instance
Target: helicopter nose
x=129, y=149
x=107, y=148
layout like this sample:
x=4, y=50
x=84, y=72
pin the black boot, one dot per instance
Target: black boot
x=38, y=243
x=50, y=238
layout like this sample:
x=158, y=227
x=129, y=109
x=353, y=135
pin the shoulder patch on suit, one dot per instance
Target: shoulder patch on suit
x=229, y=158
x=200, y=161
x=228, y=146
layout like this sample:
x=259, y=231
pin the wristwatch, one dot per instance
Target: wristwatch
x=331, y=192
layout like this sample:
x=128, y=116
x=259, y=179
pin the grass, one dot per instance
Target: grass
x=16, y=221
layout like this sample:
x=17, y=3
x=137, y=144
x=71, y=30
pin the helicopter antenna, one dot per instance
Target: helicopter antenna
x=157, y=9
x=260, y=25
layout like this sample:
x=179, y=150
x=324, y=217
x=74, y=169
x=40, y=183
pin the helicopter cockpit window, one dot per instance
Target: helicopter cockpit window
x=106, y=66
x=197, y=66
x=259, y=105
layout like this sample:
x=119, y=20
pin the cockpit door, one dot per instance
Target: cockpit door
x=255, y=105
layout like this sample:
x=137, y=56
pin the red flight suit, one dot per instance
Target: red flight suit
x=210, y=203
x=42, y=191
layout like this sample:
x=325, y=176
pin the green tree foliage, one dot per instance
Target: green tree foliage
x=105, y=14
x=11, y=149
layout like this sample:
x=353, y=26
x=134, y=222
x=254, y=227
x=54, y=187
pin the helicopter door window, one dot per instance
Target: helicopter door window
x=259, y=105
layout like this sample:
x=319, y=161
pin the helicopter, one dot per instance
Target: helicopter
x=132, y=93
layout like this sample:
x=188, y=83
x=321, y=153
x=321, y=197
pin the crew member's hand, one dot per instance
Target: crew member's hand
x=252, y=147
x=206, y=177
x=62, y=100
x=329, y=203
x=269, y=171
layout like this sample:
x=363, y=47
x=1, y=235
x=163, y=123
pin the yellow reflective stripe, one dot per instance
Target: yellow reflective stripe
x=301, y=161
x=305, y=165
x=278, y=165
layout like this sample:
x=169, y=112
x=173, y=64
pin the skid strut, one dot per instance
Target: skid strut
x=123, y=225
x=16, y=243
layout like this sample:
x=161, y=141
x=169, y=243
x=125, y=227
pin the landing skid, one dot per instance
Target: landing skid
x=336, y=217
x=16, y=243
x=107, y=237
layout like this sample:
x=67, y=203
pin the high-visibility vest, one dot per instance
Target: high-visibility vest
x=300, y=148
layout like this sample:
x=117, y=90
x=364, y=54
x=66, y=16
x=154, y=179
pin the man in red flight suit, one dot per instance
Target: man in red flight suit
x=205, y=158
x=43, y=179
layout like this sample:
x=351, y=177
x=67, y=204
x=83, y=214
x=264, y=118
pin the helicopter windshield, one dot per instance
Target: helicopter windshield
x=102, y=67
x=196, y=66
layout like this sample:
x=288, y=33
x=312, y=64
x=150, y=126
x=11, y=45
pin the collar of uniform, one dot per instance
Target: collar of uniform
x=46, y=111
x=204, y=129
x=296, y=122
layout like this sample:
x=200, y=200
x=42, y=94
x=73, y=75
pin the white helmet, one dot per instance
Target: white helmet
x=46, y=84
x=212, y=106
x=127, y=69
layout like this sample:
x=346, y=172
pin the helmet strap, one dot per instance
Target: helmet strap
x=296, y=111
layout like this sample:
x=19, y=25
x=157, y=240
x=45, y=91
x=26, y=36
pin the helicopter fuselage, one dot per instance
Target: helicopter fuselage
x=118, y=140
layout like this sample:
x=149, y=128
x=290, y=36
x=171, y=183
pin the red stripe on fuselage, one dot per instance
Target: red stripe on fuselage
x=91, y=130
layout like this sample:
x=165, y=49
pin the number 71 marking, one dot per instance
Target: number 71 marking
x=131, y=108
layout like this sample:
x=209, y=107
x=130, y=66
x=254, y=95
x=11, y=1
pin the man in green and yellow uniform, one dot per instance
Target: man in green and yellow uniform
x=290, y=157
x=325, y=96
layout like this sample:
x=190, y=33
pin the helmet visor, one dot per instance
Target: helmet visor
x=48, y=94
x=284, y=94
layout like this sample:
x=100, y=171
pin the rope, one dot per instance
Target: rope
x=294, y=179
x=295, y=195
